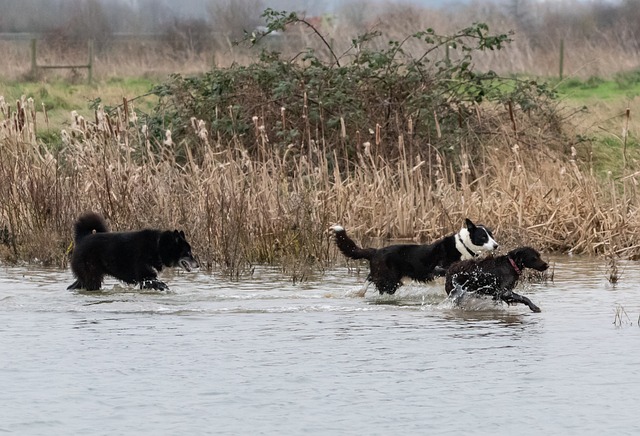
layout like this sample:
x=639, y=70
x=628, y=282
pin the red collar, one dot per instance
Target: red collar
x=515, y=267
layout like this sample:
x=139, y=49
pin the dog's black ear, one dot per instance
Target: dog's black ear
x=469, y=224
x=182, y=235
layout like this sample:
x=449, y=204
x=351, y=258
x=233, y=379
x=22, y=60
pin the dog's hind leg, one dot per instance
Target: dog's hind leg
x=387, y=286
x=93, y=283
x=363, y=291
x=510, y=297
x=87, y=283
x=75, y=285
x=386, y=279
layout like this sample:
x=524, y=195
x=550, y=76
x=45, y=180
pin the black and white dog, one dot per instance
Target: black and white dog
x=389, y=265
x=494, y=276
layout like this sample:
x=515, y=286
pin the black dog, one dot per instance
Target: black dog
x=133, y=257
x=389, y=265
x=494, y=276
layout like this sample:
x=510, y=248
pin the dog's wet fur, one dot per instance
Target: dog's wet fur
x=133, y=257
x=494, y=276
x=419, y=262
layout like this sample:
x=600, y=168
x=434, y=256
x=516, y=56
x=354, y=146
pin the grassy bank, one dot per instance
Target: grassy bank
x=56, y=99
x=599, y=105
x=608, y=121
x=256, y=173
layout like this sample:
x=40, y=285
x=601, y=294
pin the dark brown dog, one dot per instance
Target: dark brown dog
x=494, y=276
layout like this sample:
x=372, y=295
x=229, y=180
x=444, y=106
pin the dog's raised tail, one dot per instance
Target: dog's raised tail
x=88, y=224
x=348, y=247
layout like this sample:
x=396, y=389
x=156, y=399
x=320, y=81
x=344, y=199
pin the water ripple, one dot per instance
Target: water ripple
x=265, y=356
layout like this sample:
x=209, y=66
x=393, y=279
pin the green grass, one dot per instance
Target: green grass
x=622, y=86
x=605, y=100
x=610, y=155
x=604, y=120
x=60, y=98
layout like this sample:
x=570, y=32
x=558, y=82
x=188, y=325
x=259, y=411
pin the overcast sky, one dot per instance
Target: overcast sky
x=197, y=7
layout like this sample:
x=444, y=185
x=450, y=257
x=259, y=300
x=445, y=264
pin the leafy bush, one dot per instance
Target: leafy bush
x=365, y=97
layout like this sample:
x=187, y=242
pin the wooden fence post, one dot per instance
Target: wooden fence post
x=90, y=63
x=561, y=58
x=34, y=65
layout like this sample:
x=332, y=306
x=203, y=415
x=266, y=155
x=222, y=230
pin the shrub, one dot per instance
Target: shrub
x=434, y=101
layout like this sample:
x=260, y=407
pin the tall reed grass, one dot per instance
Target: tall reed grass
x=240, y=209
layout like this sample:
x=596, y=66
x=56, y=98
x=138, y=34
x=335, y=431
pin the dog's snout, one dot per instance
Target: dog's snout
x=542, y=265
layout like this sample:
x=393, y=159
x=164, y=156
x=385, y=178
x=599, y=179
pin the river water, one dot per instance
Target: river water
x=265, y=356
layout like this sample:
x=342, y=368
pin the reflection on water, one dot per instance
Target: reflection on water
x=262, y=355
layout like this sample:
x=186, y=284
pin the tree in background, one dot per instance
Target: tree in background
x=88, y=21
x=229, y=19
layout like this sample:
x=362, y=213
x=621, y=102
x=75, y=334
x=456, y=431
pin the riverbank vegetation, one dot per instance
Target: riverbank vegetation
x=255, y=162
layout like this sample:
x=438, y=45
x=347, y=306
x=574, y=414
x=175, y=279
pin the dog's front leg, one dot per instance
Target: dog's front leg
x=154, y=284
x=456, y=295
x=510, y=297
x=438, y=271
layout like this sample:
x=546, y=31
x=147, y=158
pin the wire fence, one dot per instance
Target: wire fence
x=31, y=55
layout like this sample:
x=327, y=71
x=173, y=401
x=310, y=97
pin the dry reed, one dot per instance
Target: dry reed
x=239, y=211
x=620, y=313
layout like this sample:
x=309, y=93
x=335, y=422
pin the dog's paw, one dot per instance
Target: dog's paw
x=534, y=308
x=154, y=284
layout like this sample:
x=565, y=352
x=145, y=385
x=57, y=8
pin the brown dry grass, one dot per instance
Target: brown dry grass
x=592, y=47
x=155, y=59
x=238, y=211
